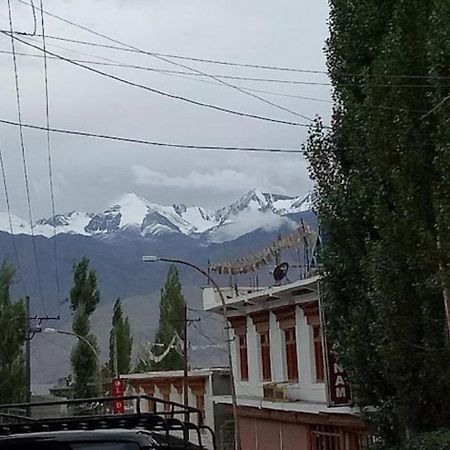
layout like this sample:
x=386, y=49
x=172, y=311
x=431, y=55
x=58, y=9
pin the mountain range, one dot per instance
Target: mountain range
x=134, y=215
x=115, y=239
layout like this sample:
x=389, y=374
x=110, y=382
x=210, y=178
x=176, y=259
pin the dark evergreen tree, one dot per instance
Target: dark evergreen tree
x=382, y=175
x=13, y=321
x=84, y=297
x=84, y=290
x=171, y=321
x=120, y=342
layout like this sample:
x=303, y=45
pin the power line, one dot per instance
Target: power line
x=49, y=153
x=33, y=11
x=207, y=337
x=258, y=79
x=153, y=143
x=156, y=91
x=218, y=62
x=11, y=228
x=237, y=88
x=178, y=73
x=162, y=58
x=24, y=161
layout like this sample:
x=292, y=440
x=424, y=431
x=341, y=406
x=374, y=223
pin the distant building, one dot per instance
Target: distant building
x=204, y=385
x=280, y=371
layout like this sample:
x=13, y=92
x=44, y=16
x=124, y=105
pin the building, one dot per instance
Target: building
x=280, y=371
x=203, y=385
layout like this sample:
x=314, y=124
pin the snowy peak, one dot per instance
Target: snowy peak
x=133, y=213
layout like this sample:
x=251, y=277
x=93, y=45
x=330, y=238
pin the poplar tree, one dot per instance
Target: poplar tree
x=13, y=321
x=84, y=297
x=120, y=342
x=382, y=175
x=171, y=322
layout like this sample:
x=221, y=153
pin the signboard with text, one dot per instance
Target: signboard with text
x=338, y=388
x=118, y=391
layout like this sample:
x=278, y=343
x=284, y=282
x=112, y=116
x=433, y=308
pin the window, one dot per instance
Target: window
x=243, y=357
x=318, y=353
x=265, y=355
x=291, y=354
x=325, y=437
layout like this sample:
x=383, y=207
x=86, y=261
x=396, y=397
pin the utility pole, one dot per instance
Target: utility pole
x=185, y=364
x=28, y=337
x=30, y=331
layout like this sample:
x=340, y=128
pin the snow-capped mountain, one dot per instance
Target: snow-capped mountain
x=134, y=214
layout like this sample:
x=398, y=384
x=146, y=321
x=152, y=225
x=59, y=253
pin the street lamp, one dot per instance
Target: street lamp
x=153, y=259
x=89, y=344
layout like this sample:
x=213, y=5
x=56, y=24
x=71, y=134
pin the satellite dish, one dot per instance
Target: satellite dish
x=280, y=272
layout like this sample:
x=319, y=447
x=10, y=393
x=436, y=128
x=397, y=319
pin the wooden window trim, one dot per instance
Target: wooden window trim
x=243, y=356
x=290, y=343
x=266, y=363
x=318, y=354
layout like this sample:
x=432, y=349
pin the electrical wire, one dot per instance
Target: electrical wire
x=201, y=333
x=33, y=11
x=219, y=62
x=153, y=143
x=24, y=160
x=49, y=153
x=11, y=228
x=177, y=73
x=168, y=61
x=268, y=80
x=156, y=91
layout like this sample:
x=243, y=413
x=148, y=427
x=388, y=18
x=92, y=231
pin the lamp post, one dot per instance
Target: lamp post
x=89, y=344
x=153, y=259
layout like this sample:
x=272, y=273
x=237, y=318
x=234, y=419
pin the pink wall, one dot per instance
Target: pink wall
x=260, y=434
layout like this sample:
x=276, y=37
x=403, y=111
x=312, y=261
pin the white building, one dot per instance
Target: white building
x=280, y=371
x=203, y=385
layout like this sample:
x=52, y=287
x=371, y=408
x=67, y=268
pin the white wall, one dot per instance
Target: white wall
x=306, y=389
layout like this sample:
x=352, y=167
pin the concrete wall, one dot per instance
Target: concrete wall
x=307, y=388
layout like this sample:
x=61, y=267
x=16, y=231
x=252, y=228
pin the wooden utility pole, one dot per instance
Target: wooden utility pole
x=30, y=331
x=185, y=364
x=28, y=337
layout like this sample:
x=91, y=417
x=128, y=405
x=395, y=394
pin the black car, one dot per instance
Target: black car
x=116, y=439
x=169, y=426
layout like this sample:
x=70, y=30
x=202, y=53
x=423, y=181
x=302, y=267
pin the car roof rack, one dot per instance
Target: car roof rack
x=97, y=413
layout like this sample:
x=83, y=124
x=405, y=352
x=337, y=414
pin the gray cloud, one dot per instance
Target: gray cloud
x=90, y=173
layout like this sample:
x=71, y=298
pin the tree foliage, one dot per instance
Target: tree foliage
x=84, y=297
x=84, y=290
x=120, y=342
x=13, y=321
x=171, y=321
x=382, y=175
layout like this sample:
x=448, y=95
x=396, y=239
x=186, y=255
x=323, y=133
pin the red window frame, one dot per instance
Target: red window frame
x=264, y=342
x=290, y=342
x=243, y=357
x=318, y=353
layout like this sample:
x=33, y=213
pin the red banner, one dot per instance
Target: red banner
x=117, y=389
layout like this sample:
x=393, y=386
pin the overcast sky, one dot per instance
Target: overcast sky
x=89, y=174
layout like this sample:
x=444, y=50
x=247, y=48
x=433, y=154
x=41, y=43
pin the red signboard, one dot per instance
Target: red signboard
x=117, y=389
x=338, y=388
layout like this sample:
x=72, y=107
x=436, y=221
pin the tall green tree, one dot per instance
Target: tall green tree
x=84, y=297
x=13, y=321
x=120, y=342
x=384, y=203
x=84, y=290
x=171, y=321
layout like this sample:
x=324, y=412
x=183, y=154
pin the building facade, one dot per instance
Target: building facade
x=280, y=371
x=203, y=386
